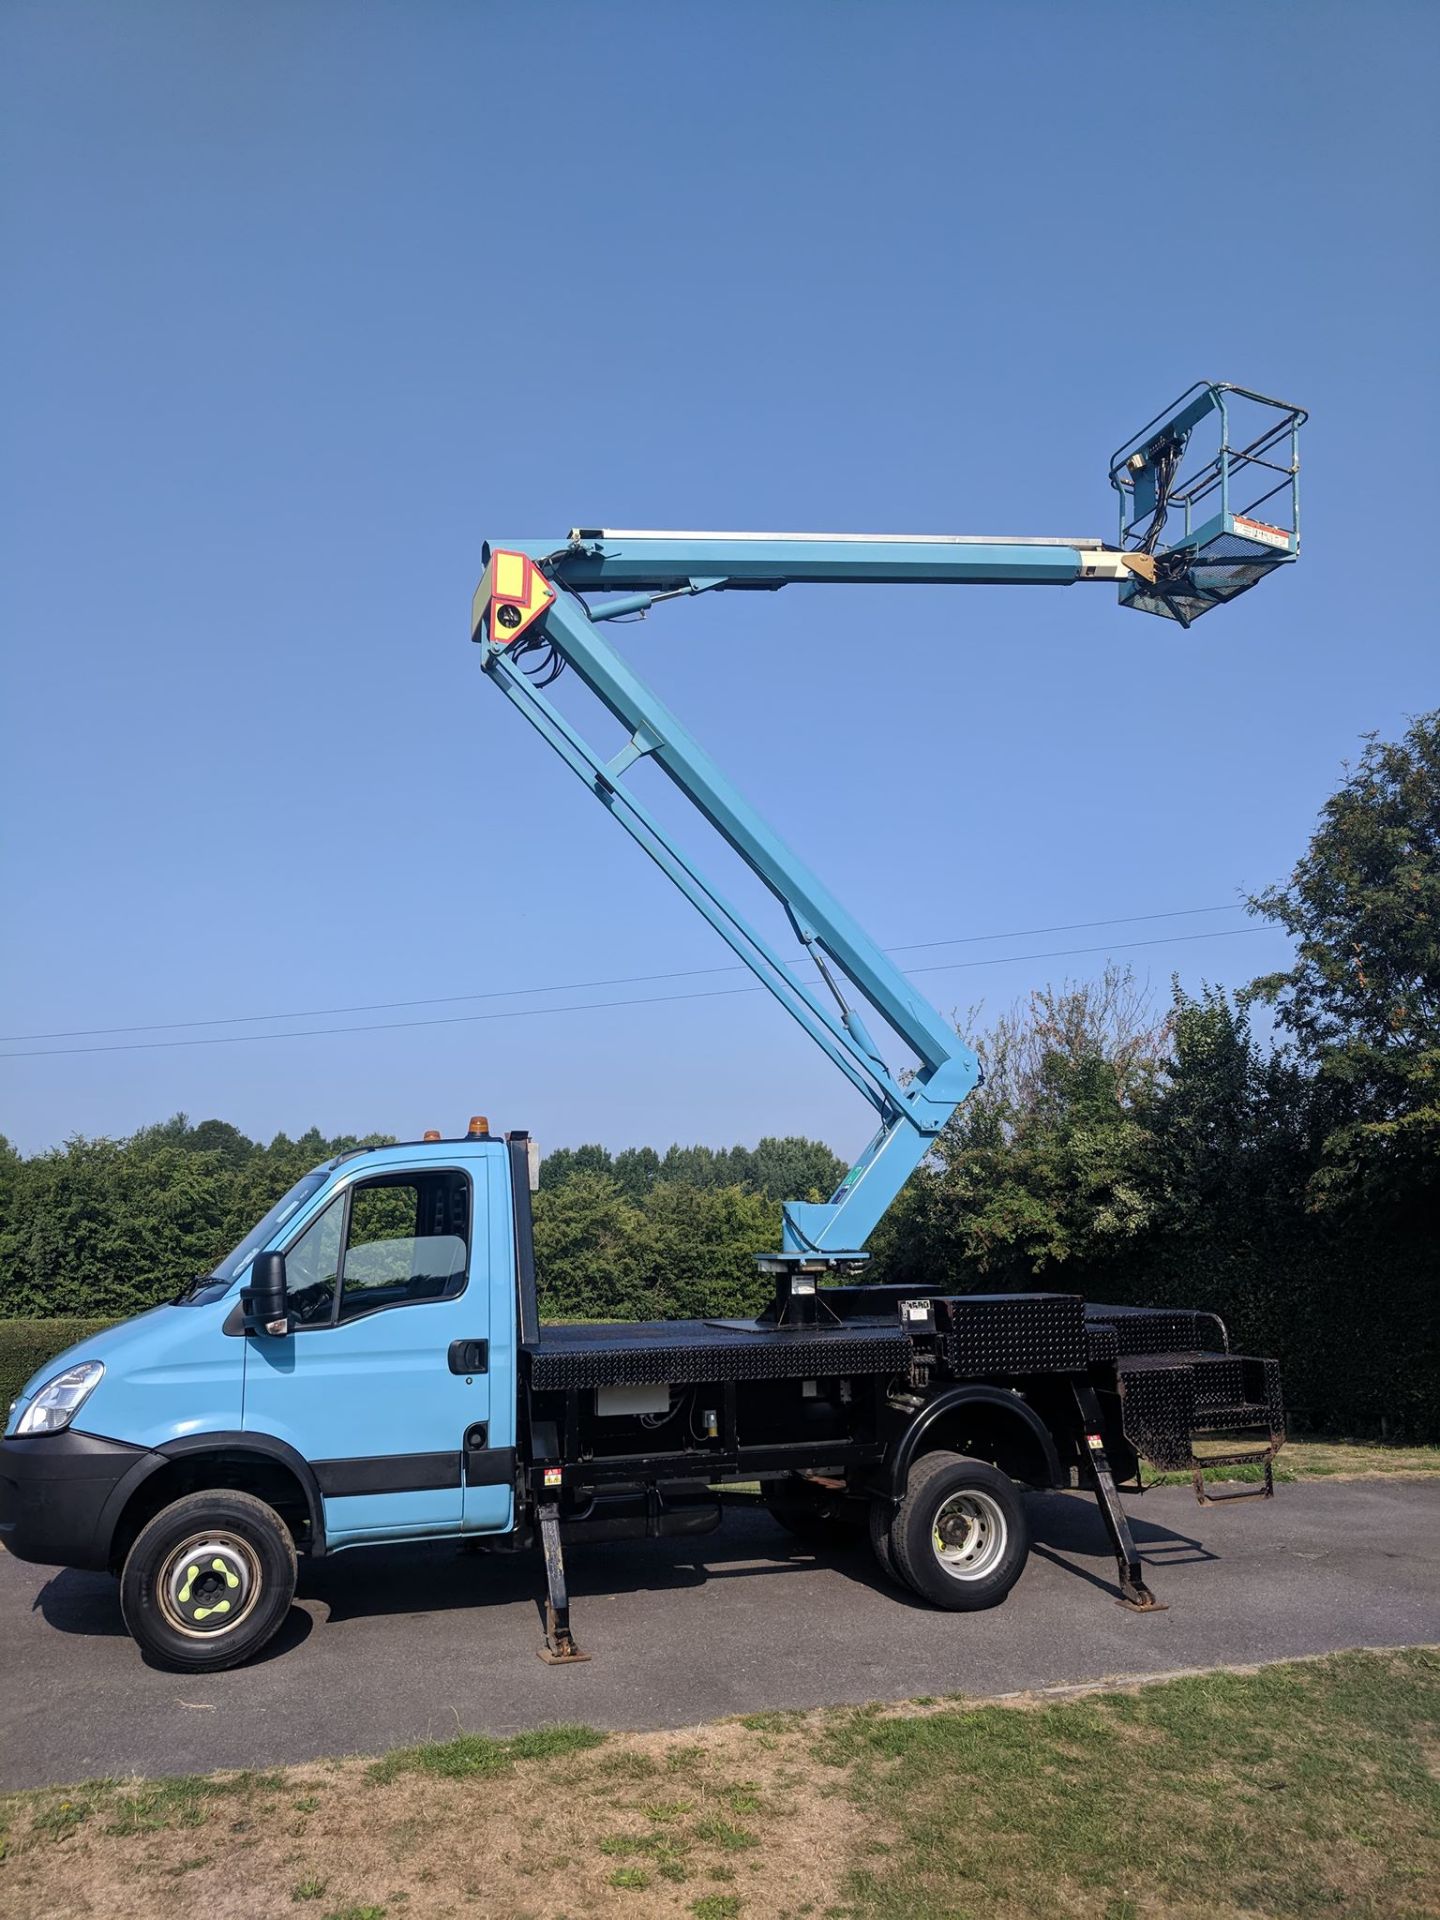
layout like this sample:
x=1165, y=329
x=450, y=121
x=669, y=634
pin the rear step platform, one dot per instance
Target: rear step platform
x=1172, y=1401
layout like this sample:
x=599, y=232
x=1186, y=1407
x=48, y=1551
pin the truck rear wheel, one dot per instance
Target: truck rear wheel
x=208, y=1580
x=881, y=1515
x=960, y=1537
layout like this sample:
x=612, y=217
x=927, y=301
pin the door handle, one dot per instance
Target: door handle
x=469, y=1356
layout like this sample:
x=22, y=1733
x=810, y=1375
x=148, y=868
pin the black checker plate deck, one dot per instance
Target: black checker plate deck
x=1219, y=1382
x=1235, y=1390
x=1101, y=1340
x=1159, y=1329
x=1158, y=1413
x=983, y=1333
x=689, y=1352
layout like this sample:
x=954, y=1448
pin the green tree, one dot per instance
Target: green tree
x=589, y=1250
x=560, y=1165
x=1361, y=1003
x=696, y=1166
x=636, y=1171
x=1048, y=1162
x=1231, y=1120
x=699, y=1248
x=794, y=1168
x=114, y=1226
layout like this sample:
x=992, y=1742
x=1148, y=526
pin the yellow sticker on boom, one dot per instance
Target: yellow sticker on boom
x=511, y=597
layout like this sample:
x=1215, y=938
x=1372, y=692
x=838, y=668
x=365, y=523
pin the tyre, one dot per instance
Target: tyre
x=817, y=1516
x=208, y=1581
x=880, y=1518
x=960, y=1537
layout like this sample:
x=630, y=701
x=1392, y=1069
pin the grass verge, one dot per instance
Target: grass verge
x=1311, y=1787
x=1326, y=1460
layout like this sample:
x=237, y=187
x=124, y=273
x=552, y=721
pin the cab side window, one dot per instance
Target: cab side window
x=312, y=1266
x=409, y=1242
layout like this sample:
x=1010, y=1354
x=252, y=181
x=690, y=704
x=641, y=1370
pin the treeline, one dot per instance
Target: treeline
x=790, y=1169
x=644, y=1235
x=114, y=1226
x=1272, y=1155
x=111, y=1227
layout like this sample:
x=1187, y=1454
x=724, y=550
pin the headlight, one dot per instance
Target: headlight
x=60, y=1399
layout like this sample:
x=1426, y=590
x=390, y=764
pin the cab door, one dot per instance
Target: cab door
x=385, y=1278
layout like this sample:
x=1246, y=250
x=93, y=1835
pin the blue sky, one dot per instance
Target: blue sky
x=307, y=300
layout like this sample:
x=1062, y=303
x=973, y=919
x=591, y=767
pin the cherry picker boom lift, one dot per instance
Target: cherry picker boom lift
x=368, y=1365
x=534, y=615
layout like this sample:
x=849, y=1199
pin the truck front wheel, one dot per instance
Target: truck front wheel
x=208, y=1580
x=960, y=1537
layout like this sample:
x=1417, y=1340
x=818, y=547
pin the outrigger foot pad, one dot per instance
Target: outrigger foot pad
x=559, y=1649
x=1137, y=1597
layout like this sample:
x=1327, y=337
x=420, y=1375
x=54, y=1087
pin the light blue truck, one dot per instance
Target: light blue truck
x=369, y=1365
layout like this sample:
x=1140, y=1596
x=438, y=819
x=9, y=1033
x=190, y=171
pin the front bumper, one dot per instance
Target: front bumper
x=55, y=1489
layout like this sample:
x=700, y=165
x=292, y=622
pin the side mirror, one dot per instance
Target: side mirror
x=265, y=1301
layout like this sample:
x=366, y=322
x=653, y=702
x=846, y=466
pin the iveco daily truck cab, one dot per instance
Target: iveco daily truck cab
x=391, y=1362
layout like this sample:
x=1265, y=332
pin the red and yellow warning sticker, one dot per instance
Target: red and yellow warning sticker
x=512, y=596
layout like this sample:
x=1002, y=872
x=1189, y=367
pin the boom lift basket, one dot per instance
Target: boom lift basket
x=1223, y=463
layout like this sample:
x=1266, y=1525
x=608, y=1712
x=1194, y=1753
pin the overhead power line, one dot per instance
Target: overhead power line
x=572, y=986
x=592, y=1006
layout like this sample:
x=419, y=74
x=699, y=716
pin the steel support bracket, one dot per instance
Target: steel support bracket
x=1109, y=563
x=559, y=1649
x=1134, y=1594
x=1264, y=1491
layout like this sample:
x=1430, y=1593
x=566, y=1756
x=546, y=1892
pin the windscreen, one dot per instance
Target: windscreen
x=261, y=1232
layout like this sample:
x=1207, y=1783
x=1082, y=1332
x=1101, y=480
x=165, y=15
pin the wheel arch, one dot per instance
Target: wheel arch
x=999, y=1416
x=244, y=1462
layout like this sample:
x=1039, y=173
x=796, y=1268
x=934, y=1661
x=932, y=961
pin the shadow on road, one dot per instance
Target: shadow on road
x=84, y=1603
x=88, y=1604
x=435, y=1579
x=445, y=1576
x=748, y=1546
x=1071, y=1525
x=1062, y=1525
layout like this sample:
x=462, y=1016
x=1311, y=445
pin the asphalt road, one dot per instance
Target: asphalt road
x=391, y=1646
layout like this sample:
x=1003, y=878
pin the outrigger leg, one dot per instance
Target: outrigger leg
x=1133, y=1591
x=559, y=1648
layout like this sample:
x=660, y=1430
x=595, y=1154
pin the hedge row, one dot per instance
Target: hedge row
x=26, y=1345
x=1351, y=1317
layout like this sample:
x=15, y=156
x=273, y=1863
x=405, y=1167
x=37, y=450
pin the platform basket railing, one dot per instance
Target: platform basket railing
x=1210, y=490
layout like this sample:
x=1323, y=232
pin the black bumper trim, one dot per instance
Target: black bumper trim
x=54, y=1488
x=388, y=1473
x=490, y=1467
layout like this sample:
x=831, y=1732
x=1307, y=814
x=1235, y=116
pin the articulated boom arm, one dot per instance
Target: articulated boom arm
x=531, y=620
